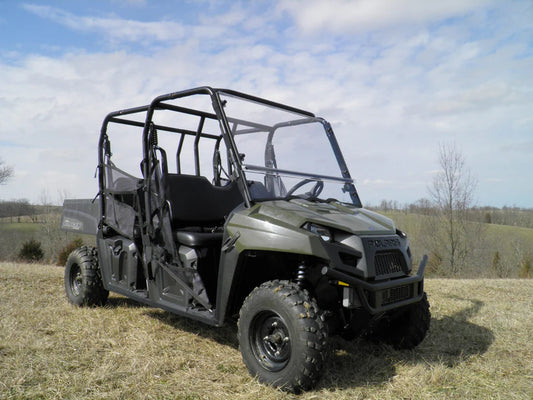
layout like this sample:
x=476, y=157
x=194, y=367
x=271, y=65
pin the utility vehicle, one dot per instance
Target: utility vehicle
x=241, y=207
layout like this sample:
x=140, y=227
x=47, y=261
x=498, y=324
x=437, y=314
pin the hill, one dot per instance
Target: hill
x=495, y=250
x=480, y=346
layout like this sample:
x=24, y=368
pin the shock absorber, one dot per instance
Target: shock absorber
x=301, y=275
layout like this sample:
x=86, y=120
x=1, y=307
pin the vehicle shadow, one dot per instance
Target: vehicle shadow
x=120, y=301
x=450, y=341
x=225, y=335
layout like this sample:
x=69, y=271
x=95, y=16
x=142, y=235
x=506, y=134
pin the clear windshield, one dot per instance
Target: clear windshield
x=284, y=153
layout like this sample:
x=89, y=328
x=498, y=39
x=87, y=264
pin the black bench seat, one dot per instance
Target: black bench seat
x=197, y=206
x=199, y=239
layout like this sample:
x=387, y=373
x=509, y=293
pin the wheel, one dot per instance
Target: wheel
x=313, y=193
x=83, y=280
x=282, y=338
x=405, y=328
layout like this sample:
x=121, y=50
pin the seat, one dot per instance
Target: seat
x=196, y=207
x=258, y=191
x=199, y=239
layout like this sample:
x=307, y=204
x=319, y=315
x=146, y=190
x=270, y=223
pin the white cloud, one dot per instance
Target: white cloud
x=114, y=28
x=339, y=16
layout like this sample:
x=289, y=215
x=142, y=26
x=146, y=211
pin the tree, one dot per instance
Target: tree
x=6, y=172
x=53, y=237
x=452, y=193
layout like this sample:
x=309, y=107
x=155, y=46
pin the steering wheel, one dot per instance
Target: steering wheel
x=313, y=193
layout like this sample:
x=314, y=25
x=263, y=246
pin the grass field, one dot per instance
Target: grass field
x=27, y=227
x=480, y=346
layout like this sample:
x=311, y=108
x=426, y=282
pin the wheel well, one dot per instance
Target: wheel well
x=254, y=268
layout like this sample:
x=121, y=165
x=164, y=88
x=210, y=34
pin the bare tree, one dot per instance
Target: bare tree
x=52, y=237
x=6, y=172
x=452, y=193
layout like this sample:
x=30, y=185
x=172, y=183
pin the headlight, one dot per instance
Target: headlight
x=323, y=232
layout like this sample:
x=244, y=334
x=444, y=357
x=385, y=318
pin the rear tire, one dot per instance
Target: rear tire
x=282, y=338
x=404, y=328
x=83, y=280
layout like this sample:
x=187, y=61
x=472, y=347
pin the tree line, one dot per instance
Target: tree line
x=512, y=216
x=13, y=210
x=16, y=209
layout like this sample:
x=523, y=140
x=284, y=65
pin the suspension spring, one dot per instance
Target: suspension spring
x=301, y=275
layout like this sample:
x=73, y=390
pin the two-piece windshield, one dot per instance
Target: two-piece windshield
x=287, y=154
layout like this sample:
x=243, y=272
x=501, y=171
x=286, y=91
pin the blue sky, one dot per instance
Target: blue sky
x=395, y=78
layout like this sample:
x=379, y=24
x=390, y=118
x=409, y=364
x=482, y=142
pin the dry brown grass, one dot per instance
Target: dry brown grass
x=480, y=346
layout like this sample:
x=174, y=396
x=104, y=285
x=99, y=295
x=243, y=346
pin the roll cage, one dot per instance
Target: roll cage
x=142, y=117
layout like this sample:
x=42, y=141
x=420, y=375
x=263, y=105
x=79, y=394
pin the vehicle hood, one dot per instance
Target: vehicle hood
x=335, y=215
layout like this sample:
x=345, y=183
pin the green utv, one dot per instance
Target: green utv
x=244, y=207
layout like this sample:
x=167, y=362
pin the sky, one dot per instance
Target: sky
x=396, y=79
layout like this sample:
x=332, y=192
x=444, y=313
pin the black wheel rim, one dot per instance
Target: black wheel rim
x=270, y=341
x=75, y=280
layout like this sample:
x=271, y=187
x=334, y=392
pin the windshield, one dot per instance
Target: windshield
x=287, y=154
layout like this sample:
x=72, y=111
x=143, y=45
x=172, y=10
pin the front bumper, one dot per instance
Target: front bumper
x=378, y=297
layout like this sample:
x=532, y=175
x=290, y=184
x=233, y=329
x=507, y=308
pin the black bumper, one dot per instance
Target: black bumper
x=377, y=297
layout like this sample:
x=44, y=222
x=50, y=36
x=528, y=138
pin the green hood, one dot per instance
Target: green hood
x=340, y=216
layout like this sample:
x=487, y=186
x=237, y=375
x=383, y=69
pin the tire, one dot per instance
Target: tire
x=405, y=328
x=83, y=280
x=282, y=339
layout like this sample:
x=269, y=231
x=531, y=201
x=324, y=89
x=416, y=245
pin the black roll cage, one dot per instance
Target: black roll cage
x=235, y=164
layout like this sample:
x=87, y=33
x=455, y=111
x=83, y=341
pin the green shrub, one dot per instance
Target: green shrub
x=65, y=251
x=31, y=251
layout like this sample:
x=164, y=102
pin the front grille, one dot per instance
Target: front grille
x=395, y=295
x=389, y=262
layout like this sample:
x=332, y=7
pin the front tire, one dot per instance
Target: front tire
x=282, y=338
x=83, y=281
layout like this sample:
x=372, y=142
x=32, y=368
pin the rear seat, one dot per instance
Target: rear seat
x=197, y=208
